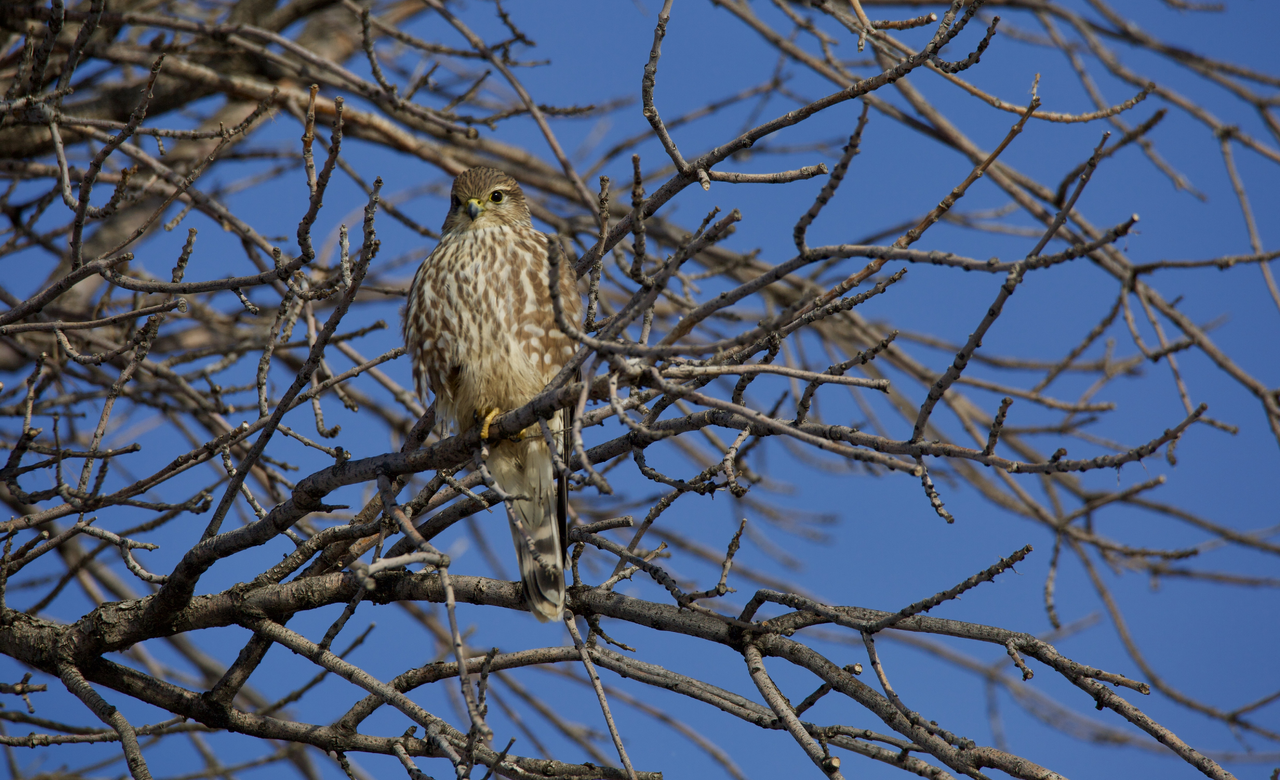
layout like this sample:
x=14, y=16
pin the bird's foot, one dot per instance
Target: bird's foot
x=486, y=421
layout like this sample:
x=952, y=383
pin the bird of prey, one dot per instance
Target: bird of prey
x=481, y=332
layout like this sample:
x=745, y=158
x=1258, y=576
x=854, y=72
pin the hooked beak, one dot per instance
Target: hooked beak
x=474, y=207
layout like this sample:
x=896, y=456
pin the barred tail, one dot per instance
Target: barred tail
x=525, y=468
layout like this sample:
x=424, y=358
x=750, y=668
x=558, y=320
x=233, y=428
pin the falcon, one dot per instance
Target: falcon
x=480, y=330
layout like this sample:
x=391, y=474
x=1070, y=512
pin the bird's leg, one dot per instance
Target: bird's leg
x=485, y=418
x=486, y=421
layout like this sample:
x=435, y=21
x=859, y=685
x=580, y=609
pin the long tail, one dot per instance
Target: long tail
x=525, y=468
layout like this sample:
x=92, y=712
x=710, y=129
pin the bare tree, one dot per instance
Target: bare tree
x=165, y=392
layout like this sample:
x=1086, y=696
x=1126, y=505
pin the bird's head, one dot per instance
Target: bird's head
x=486, y=197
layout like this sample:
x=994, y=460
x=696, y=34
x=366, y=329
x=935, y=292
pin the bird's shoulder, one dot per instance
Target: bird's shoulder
x=521, y=246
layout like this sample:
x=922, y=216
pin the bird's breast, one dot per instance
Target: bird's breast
x=464, y=323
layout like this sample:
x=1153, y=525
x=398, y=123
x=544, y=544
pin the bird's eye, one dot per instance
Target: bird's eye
x=496, y=196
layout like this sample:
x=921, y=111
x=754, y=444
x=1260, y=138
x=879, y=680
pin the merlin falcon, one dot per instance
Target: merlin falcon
x=480, y=330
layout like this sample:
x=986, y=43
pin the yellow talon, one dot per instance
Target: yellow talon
x=488, y=420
